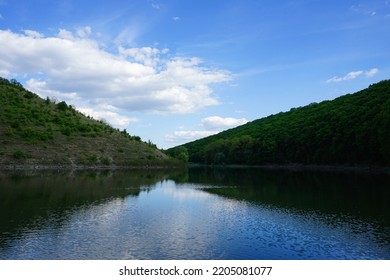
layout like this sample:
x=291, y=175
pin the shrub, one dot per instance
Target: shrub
x=93, y=158
x=106, y=160
x=66, y=131
x=9, y=132
x=62, y=106
x=20, y=155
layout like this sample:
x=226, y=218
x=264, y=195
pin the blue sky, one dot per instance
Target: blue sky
x=173, y=71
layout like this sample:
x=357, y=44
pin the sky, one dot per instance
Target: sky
x=174, y=71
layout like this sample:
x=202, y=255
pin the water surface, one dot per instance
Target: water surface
x=199, y=214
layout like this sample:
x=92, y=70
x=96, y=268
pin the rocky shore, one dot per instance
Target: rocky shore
x=81, y=167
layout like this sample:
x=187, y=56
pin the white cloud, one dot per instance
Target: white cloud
x=222, y=123
x=5, y=73
x=349, y=76
x=65, y=34
x=107, y=113
x=74, y=68
x=43, y=90
x=84, y=32
x=188, y=135
x=146, y=55
x=100, y=111
x=33, y=34
x=372, y=72
x=176, y=18
x=365, y=10
x=155, y=5
x=212, y=125
x=353, y=75
x=127, y=35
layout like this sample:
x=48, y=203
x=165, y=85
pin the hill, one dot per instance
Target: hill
x=353, y=129
x=47, y=133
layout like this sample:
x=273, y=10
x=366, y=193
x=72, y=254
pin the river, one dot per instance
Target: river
x=201, y=213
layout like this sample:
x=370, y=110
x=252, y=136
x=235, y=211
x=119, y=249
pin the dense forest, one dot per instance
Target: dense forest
x=36, y=131
x=353, y=129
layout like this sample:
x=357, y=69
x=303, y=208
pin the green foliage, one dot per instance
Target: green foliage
x=93, y=158
x=179, y=152
x=16, y=83
x=33, y=135
x=384, y=131
x=106, y=160
x=219, y=158
x=29, y=95
x=9, y=132
x=20, y=155
x=62, y=106
x=151, y=144
x=66, y=130
x=55, y=133
x=41, y=120
x=352, y=129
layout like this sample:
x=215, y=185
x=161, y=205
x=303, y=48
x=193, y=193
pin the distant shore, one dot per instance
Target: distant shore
x=332, y=168
x=287, y=167
x=82, y=167
x=309, y=167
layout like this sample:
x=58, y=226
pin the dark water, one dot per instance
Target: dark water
x=199, y=214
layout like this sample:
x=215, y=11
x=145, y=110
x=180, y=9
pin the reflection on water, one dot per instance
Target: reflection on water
x=202, y=214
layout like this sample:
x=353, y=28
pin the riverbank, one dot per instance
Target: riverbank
x=286, y=167
x=87, y=167
x=308, y=167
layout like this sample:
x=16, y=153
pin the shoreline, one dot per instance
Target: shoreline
x=43, y=167
x=287, y=167
x=308, y=167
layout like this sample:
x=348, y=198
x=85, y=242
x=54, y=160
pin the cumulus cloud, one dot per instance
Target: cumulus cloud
x=353, y=75
x=145, y=55
x=33, y=34
x=41, y=87
x=188, y=135
x=217, y=122
x=75, y=68
x=211, y=125
x=109, y=114
x=84, y=32
x=372, y=72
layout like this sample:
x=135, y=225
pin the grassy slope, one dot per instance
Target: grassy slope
x=34, y=131
x=352, y=129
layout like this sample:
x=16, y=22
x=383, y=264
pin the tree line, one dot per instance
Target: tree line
x=353, y=129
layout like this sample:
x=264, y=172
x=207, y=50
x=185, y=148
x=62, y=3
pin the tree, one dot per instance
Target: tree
x=219, y=158
x=351, y=129
x=16, y=83
x=62, y=106
x=180, y=153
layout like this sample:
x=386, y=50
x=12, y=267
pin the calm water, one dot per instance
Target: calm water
x=199, y=214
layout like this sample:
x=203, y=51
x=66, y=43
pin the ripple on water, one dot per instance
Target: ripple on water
x=186, y=222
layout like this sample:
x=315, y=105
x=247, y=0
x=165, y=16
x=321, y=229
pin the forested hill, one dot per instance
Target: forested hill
x=35, y=132
x=353, y=129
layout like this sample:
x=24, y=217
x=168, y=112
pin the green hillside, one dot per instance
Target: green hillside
x=353, y=129
x=38, y=132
